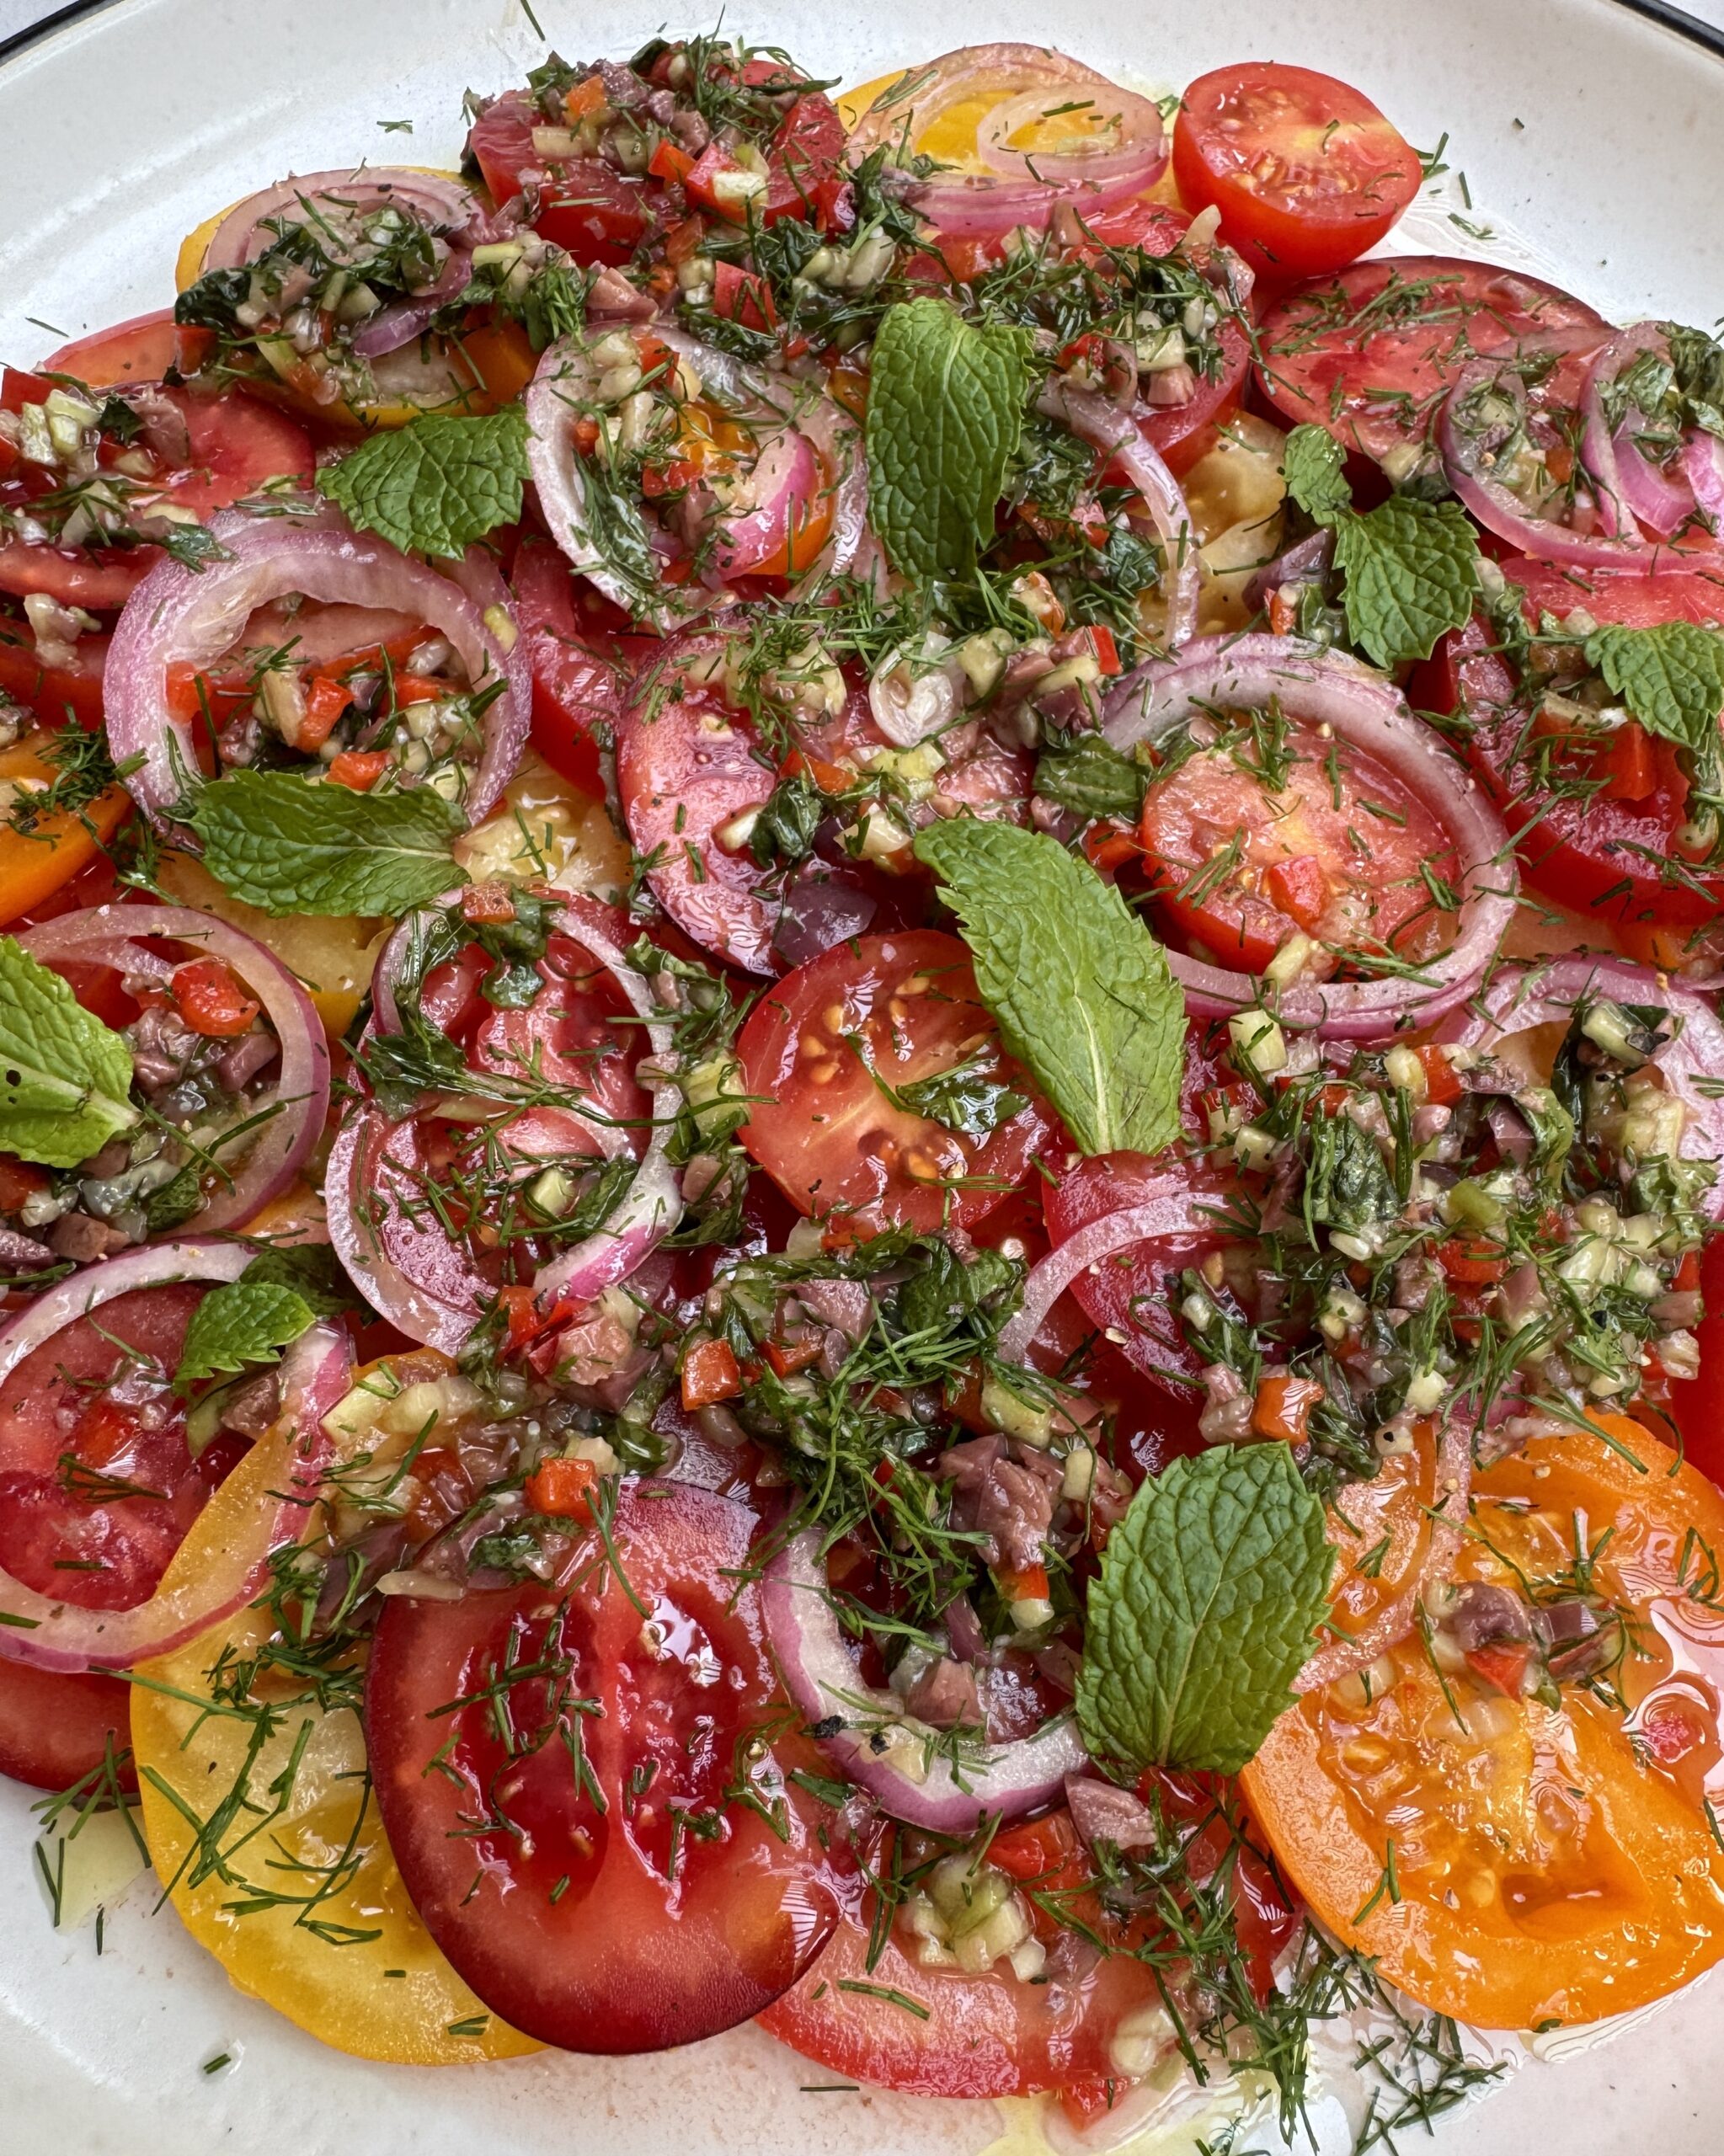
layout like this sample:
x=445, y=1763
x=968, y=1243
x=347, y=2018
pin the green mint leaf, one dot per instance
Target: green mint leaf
x=1079, y=985
x=312, y=1270
x=1411, y=572
x=945, y=411
x=288, y=846
x=1091, y=778
x=1313, y=465
x=1670, y=676
x=64, y=1077
x=1210, y=1590
x=435, y=487
x=239, y=1325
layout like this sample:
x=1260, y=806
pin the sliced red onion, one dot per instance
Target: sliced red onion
x=300, y=1095
x=838, y=439
x=1372, y=716
x=403, y=320
x=822, y=1676
x=1022, y=82
x=194, y=616
x=1117, y=435
x=762, y=521
x=1518, y=998
x=1451, y=1484
x=445, y=206
x=1500, y=510
x=1629, y=490
x=58, y=1636
x=1702, y=457
x=1170, y=1212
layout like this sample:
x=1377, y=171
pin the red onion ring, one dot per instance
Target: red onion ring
x=1499, y=511
x=57, y=1635
x=1168, y=1214
x=1372, y=716
x=1117, y=435
x=1518, y=998
x=194, y=616
x=787, y=474
x=403, y=320
x=1451, y=1483
x=101, y=936
x=443, y=204
x=1630, y=491
x=822, y=1677
x=1702, y=457
x=1020, y=188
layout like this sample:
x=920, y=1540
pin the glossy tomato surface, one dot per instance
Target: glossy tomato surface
x=1370, y=354
x=1550, y=1864
x=609, y=1849
x=819, y=1052
x=1599, y=855
x=1305, y=171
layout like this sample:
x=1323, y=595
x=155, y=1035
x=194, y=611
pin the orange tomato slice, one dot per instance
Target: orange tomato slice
x=34, y=864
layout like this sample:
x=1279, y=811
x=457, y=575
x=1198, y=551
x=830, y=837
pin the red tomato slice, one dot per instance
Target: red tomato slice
x=1306, y=172
x=97, y=1492
x=142, y=349
x=501, y=142
x=822, y=1127
x=1370, y=354
x=57, y=694
x=586, y=207
x=576, y=688
x=801, y=161
x=1337, y=851
x=1134, y=1296
x=963, y=2036
x=1599, y=854
x=669, y=1910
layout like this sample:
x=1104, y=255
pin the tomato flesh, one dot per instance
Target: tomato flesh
x=674, y=1911
x=822, y=1127
x=1306, y=172
x=1370, y=354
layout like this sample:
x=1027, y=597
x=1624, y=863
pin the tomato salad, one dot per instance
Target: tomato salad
x=860, y=1102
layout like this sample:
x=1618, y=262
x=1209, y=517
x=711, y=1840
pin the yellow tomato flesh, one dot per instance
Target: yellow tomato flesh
x=543, y=827
x=35, y=864
x=361, y=1971
x=1507, y=1862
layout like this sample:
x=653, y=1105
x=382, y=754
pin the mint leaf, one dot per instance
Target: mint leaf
x=1091, y=778
x=289, y=846
x=64, y=1077
x=1080, y=988
x=435, y=487
x=1670, y=676
x=239, y=1325
x=312, y=1270
x=1313, y=465
x=1209, y=1591
x=1411, y=572
x=945, y=411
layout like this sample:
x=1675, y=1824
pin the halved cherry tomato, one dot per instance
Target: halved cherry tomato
x=1545, y=1866
x=1343, y=827
x=1370, y=354
x=817, y=1050
x=212, y=1000
x=1306, y=172
x=677, y=1880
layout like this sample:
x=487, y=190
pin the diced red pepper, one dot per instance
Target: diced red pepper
x=710, y=1374
x=1281, y=1410
x=1100, y=639
x=738, y=296
x=1502, y=1664
x=700, y=183
x=326, y=700
x=1442, y=1081
x=830, y=778
x=562, y=1488
x=683, y=241
x=790, y=1356
x=519, y=1307
x=488, y=904
x=1472, y=1264
x=212, y=1000
x=359, y=770
x=586, y=100
x=670, y=164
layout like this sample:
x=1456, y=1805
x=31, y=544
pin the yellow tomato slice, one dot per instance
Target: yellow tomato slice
x=545, y=827
x=35, y=864
x=1507, y=1861
x=354, y=1967
x=331, y=956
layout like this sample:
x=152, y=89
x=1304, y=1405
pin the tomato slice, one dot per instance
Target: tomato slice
x=96, y=1494
x=57, y=694
x=960, y=2036
x=1548, y=1863
x=62, y=845
x=585, y=206
x=673, y=1883
x=142, y=349
x=1338, y=850
x=1371, y=353
x=577, y=689
x=822, y=1127
x=1594, y=850
x=1306, y=172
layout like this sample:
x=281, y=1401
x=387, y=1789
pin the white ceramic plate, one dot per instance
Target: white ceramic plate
x=1589, y=138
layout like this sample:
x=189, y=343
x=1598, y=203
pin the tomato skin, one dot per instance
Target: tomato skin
x=802, y=165
x=140, y=349
x=822, y=1128
x=56, y=1729
x=658, y=1936
x=1306, y=172
x=1601, y=854
x=57, y=694
x=1697, y=1404
x=594, y=212
x=1569, y=1872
